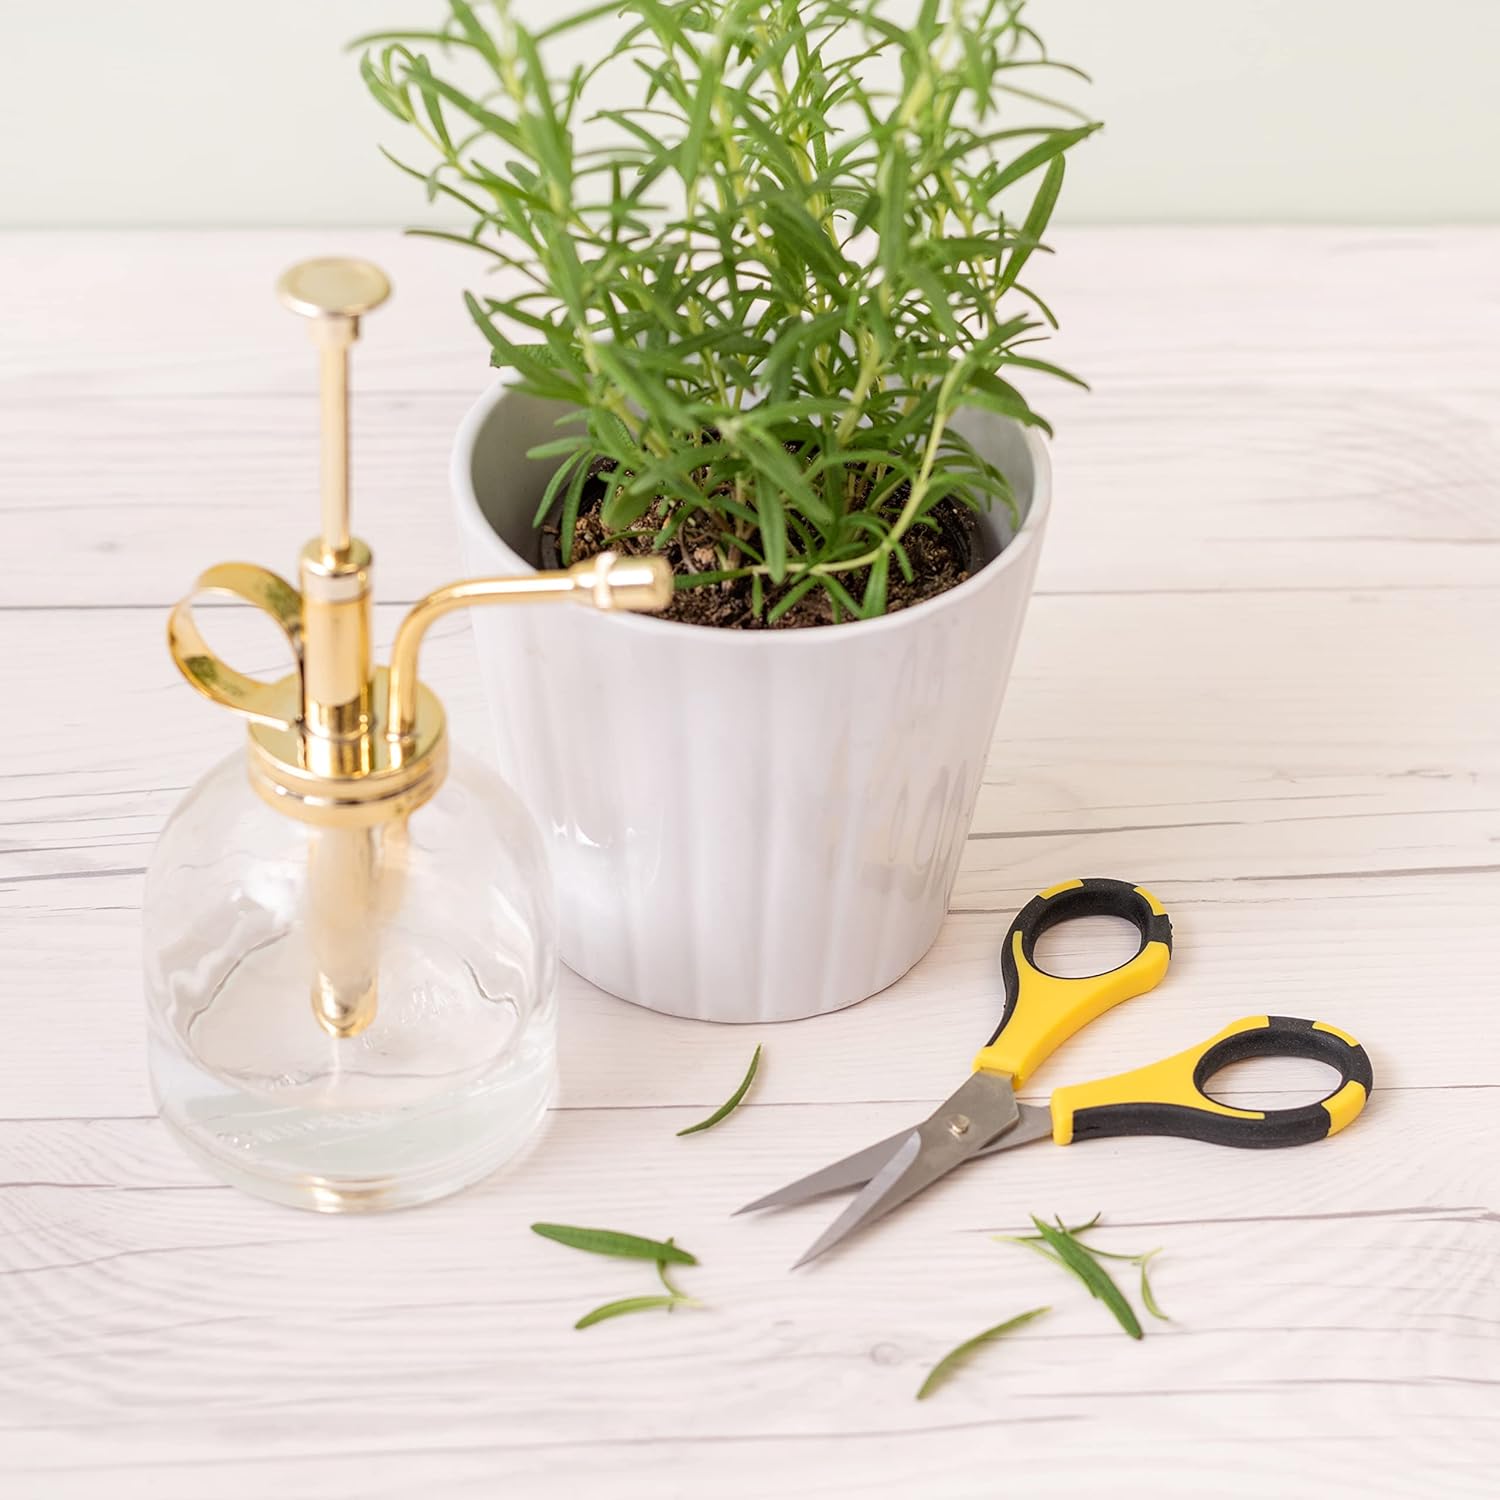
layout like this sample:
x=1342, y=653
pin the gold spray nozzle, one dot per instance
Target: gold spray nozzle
x=606, y=581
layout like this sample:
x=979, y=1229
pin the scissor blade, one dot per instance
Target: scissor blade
x=857, y=1169
x=983, y=1108
x=852, y=1171
x=1035, y=1124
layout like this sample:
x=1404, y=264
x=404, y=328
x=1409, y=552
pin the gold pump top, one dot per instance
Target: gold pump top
x=339, y=742
x=334, y=287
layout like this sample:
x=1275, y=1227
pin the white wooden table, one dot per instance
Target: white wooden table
x=1259, y=674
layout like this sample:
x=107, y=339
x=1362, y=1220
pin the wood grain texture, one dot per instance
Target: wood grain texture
x=1260, y=674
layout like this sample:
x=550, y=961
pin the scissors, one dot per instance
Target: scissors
x=1041, y=1012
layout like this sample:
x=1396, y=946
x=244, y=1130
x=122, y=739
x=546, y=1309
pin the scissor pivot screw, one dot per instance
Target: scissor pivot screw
x=959, y=1124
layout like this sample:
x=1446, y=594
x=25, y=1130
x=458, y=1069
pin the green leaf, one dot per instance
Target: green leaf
x=958, y=1356
x=546, y=132
x=475, y=34
x=798, y=591
x=690, y=152
x=842, y=598
x=1036, y=222
x=628, y=1305
x=874, y=600
x=389, y=98
x=554, y=484
x=995, y=394
x=572, y=501
x=1044, y=151
x=497, y=125
x=1076, y=1258
x=443, y=38
x=1146, y=1296
x=732, y=1103
x=579, y=18
x=892, y=213
x=612, y=1242
x=772, y=529
x=964, y=143
x=558, y=447
x=1016, y=1239
x=1045, y=367
x=665, y=1279
x=433, y=105
x=623, y=507
x=534, y=362
x=790, y=220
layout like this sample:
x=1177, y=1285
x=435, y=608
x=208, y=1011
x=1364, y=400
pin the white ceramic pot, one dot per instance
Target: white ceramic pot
x=744, y=825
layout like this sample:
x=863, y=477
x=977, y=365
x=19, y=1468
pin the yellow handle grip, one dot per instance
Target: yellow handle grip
x=264, y=702
x=1168, y=1098
x=1042, y=1010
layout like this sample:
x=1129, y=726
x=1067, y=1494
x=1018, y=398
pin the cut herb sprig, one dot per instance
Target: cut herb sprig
x=956, y=1357
x=631, y=1305
x=667, y=1282
x=612, y=1242
x=732, y=1103
x=1061, y=1244
x=627, y=1247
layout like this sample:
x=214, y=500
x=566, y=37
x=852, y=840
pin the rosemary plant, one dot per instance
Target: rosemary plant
x=764, y=289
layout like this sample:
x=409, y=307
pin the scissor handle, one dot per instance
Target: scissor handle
x=1168, y=1098
x=1043, y=1010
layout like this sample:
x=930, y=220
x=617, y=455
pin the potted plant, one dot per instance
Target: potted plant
x=757, y=297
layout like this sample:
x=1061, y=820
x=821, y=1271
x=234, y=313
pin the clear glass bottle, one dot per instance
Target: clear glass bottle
x=350, y=946
x=452, y=1076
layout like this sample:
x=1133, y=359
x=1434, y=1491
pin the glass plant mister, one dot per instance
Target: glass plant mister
x=349, y=938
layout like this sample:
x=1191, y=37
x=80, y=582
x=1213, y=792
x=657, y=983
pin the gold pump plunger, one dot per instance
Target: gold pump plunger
x=344, y=864
x=350, y=749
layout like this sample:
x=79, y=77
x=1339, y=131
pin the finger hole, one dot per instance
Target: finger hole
x=1082, y=946
x=1272, y=1083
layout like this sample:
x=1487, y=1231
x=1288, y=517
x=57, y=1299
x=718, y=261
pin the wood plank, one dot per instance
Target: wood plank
x=1381, y=966
x=1247, y=736
x=1299, y=1294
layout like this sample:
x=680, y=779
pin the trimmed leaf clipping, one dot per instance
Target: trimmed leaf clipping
x=1078, y=1259
x=1061, y=1244
x=732, y=1102
x=626, y=1305
x=954, y=1358
x=612, y=1242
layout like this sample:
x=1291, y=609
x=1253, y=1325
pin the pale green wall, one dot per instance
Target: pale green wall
x=211, y=112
